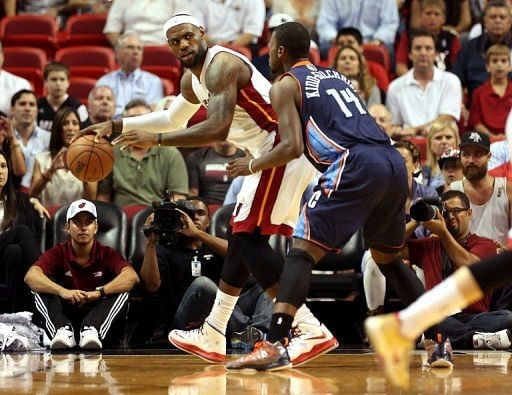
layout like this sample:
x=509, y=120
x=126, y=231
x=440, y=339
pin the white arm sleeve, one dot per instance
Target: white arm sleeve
x=170, y=120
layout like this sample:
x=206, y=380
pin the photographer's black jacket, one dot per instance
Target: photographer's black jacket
x=175, y=265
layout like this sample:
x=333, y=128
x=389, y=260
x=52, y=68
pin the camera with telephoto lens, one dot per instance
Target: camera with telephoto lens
x=424, y=209
x=167, y=221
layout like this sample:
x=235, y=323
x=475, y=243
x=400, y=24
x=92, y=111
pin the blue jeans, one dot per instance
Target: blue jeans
x=461, y=327
x=254, y=307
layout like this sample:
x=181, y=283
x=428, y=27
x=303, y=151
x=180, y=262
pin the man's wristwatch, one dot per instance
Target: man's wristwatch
x=102, y=291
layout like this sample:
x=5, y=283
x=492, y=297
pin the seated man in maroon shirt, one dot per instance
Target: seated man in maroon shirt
x=80, y=284
x=455, y=246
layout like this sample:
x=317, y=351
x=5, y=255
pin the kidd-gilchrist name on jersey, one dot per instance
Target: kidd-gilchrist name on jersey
x=334, y=118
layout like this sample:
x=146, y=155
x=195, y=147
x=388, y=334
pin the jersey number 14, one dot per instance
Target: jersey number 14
x=344, y=97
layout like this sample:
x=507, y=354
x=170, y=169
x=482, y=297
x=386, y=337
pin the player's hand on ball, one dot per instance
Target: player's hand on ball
x=101, y=129
x=138, y=138
x=240, y=166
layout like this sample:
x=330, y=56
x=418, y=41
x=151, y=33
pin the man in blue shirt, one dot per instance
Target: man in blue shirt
x=377, y=20
x=130, y=82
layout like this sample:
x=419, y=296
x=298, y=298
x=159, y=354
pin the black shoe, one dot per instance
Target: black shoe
x=266, y=356
x=440, y=354
x=246, y=339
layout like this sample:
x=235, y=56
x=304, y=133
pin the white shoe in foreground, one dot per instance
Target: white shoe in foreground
x=392, y=348
x=205, y=342
x=89, y=339
x=64, y=338
x=308, y=342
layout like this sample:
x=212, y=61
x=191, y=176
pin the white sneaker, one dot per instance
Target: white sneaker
x=492, y=340
x=64, y=338
x=309, y=341
x=206, y=342
x=89, y=338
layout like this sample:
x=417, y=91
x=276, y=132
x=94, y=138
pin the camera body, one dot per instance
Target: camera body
x=167, y=221
x=424, y=209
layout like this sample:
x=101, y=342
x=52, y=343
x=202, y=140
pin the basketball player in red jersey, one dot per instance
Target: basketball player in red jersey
x=237, y=98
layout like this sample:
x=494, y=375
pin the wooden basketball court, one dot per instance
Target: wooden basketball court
x=164, y=372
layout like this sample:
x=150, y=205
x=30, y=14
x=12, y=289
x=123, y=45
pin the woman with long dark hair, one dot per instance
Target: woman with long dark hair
x=19, y=228
x=52, y=181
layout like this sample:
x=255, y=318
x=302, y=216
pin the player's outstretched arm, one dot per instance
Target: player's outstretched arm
x=291, y=145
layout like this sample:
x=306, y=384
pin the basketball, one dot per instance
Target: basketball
x=90, y=161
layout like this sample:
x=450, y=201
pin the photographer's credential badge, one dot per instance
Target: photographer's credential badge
x=196, y=267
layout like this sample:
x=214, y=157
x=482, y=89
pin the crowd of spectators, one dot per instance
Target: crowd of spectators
x=434, y=74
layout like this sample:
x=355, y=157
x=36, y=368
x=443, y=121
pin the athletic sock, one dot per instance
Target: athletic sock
x=444, y=299
x=304, y=314
x=280, y=326
x=221, y=311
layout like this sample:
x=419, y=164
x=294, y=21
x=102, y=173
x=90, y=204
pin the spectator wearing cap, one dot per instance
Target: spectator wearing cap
x=451, y=169
x=487, y=194
x=492, y=100
x=80, y=285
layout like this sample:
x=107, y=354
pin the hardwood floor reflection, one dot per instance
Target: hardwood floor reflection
x=474, y=373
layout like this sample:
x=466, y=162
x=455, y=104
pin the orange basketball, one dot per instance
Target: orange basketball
x=90, y=161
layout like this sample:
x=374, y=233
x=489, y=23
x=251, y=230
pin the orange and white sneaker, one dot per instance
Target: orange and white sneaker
x=206, y=342
x=308, y=342
x=391, y=346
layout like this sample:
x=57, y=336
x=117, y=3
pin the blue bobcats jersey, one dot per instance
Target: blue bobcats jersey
x=334, y=118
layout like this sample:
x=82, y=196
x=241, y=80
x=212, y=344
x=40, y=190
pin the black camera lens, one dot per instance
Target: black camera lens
x=421, y=211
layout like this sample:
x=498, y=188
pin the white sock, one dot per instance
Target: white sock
x=430, y=308
x=221, y=311
x=374, y=283
x=303, y=314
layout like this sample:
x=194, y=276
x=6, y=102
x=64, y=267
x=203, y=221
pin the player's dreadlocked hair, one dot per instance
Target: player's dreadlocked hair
x=294, y=38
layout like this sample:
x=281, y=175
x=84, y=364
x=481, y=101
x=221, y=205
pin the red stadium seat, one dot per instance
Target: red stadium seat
x=159, y=60
x=85, y=29
x=80, y=87
x=33, y=58
x=87, y=61
x=379, y=54
x=39, y=31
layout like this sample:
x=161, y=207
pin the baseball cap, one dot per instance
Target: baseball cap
x=79, y=206
x=278, y=19
x=475, y=138
x=449, y=155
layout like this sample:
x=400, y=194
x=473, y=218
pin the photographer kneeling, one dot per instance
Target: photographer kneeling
x=454, y=246
x=182, y=267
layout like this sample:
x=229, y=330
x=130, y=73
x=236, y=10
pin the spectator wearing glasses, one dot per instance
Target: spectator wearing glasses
x=456, y=246
x=487, y=194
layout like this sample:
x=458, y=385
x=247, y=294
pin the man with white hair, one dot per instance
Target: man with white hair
x=129, y=82
x=236, y=96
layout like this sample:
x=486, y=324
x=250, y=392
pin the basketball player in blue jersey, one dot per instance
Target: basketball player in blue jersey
x=363, y=185
x=238, y=106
